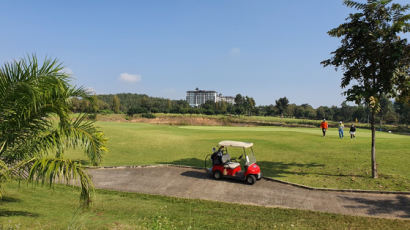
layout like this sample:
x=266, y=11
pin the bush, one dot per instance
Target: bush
x=148, y=115
x=106, y=111
x=92, y=116
x=136, y=110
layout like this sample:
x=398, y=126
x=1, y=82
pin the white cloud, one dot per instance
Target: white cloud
x=126, y=77
x=90, y=90
x=235, y=52
x=68, y=71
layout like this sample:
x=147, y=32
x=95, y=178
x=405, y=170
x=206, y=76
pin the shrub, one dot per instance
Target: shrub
x=106, y=111
x=148, y=115
x=92, y=116
x=136, y=110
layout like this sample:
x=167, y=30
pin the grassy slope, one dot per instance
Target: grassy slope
x=270, y=120
x=37, y=208
x=298, y=155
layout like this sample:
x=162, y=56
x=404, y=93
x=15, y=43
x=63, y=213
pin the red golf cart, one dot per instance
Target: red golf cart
x=225, y=166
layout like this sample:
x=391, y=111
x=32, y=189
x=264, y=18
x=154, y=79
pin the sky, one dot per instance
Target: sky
x=265, y=49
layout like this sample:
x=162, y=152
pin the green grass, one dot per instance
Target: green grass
x=299, y=155
x=283, y=121
x=42, y=208
x=232, y=120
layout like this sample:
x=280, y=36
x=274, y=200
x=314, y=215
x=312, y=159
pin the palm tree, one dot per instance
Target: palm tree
x=36, y=124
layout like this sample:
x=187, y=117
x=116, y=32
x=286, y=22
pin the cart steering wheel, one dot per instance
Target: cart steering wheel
x=236, y=159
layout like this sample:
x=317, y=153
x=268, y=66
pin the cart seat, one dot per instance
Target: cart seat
x=231, y=165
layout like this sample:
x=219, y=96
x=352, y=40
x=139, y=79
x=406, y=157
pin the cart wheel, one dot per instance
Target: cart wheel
x=217, y=174
x=250, y=179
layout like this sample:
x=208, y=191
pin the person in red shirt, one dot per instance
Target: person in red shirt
x=324, y=126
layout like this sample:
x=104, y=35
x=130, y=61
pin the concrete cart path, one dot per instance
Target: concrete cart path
x=196, y=183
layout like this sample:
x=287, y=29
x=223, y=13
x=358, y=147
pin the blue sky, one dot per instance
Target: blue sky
x=264, y=49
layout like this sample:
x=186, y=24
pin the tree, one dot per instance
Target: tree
x=250, y=105
x=403, y=108
x=374, y=58
x=308, y=111
x=36, y=126
x=282, y=105
x=239, y=104
x=94, y=104
x=386, y=113
x=116, y=104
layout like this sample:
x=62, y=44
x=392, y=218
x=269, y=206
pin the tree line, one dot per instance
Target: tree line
x=391, y=112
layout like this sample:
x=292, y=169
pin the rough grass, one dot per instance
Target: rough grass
x=42, y=208
x=234, y=120
x=299, y=155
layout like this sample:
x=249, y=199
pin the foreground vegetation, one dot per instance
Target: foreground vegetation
x=35, y=120
x=299, y=155
x=40, y=208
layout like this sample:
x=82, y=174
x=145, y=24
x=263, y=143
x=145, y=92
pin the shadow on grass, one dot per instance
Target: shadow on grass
x=9, y=199
x=85, y=162
x=376, y=207
x=8, y=213
x=281, y=169
x=187, y=162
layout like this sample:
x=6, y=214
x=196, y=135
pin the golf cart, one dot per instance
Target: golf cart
x=225, y=166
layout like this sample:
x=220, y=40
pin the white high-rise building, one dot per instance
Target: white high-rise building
x=198, y=97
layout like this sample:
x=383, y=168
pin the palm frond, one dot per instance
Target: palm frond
x=35, y=121
x=354, y=4
x=4, y=176
x=34, y=93
x=57, y=170
x=82, y=132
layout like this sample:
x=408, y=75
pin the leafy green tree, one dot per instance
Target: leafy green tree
x=116, y=104
x=94, y=108
x=321, y=112
x=222, y=107
x=386, y=113
x=250, y=105
x=403, y=109
x=375, y=60
x=282, y=105
x=36, y=126
x=309, y=111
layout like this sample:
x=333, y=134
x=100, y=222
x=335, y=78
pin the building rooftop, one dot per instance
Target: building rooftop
x=201, y=91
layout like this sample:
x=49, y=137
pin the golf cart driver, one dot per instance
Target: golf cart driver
x=217, y=156
x=224, y=166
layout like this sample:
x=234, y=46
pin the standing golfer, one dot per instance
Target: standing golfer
x=341, y=127
x=324, y=126
x=352, y=131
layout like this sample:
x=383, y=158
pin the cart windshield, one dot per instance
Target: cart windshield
x=250, y=156
x=244, y=155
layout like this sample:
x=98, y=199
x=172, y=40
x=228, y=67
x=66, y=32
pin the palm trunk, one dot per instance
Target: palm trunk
x=373, y=154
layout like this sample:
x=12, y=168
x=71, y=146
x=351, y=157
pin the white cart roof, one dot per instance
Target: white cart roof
x=235, y=144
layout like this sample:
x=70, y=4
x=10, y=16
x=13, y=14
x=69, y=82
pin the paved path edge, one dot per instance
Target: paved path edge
x=264, y=177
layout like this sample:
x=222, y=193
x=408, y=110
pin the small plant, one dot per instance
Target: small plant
x=106, y=111
x=161, y=222
x=148, y=115
x=92, y=116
